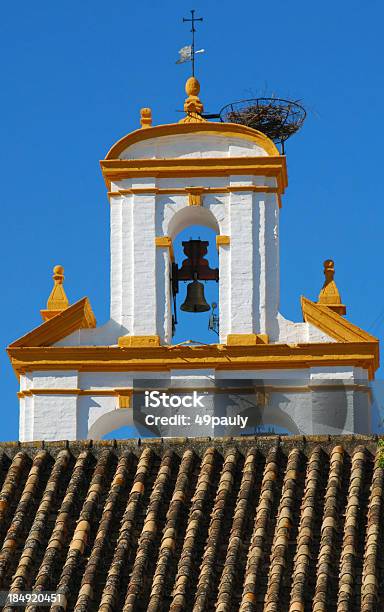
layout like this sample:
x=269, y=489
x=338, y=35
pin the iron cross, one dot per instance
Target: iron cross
x=193, y=30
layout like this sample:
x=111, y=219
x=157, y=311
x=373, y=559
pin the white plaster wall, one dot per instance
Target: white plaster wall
x=127, y=264
x=163, y=295
x=144, y=266
x=224, y=292
x=56, y=379
x=193, y=145
x=26, y=423
x=313, y=409
x=114, y=380
x=289, y=332
x=244, y=263
x=269, y=284
x=103, y=335
x=52, y=417
x=23, y=432
x=116, y=275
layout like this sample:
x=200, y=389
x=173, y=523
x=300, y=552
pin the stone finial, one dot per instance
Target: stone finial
x=57, y=301
x=192, y=105
x=146, y=117
x=329, y=294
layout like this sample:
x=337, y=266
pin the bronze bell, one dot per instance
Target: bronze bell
x=195, y=300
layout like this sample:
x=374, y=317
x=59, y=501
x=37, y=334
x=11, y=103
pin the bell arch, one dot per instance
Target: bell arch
x=200, y=291
x=211, y=216
x=188, y=216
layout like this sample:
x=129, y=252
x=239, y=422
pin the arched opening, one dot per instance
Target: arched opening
x=191, y=216
x=109, y=421
x=126, y=432
x=197, y=326
x=117, y=424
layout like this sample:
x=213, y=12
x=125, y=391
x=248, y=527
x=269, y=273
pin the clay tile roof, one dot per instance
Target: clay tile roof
x=262, y=524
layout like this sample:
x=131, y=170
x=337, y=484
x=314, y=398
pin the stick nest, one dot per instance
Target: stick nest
x=277, y=119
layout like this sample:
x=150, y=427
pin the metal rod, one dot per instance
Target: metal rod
x=193, y=30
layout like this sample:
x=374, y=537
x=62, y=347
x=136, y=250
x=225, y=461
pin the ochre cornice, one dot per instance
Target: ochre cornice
x=234, y=130
x=77, y=316
x=222, y=357
x=118, y=169
x=186, y=190
x=333, y=324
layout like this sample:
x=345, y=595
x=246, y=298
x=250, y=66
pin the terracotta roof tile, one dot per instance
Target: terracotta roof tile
x=248, y=524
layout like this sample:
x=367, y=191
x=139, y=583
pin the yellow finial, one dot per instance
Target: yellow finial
x=57, y=301
x=192, y=105
x=146, y=117
x=329, y=295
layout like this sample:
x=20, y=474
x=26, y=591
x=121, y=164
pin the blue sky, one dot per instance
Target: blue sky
x=74, y=76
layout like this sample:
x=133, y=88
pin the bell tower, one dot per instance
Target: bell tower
x=160, y=180
x=77, y=379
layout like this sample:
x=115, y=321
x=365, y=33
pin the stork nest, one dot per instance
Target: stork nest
x=278, y=119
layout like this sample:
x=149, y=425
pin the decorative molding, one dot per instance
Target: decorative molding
x=145, y=118
x=222, y=240
x=75, y=317
x=124, y=398
x=193, y=106
x=246, y=339
x=129, y=392
x=57, y=301
x=175, y=129
x=329, y=294
x=165, y=242
x=186, y=190
x=123, y=393
x=138, y=341
x=333, y=324
x=145, y=358
x=195, y=197
x=117, y=169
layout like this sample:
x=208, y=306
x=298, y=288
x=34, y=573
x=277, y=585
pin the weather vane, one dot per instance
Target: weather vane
x=187, y=54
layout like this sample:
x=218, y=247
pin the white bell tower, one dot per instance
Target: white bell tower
x=77, y=379
x=165, y=178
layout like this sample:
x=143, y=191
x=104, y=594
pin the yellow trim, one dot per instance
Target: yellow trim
x=178, y=129
x=246, y=339
x=329, y=294
x=192, y=105
x=49, y=314
x=124, y=398
x=118, y=169
x=163, y=358
x=145, y=118
x=129, y=392
x=165, y=242
x=75, y=317
x=186, y=190
x=195, y=197
x=222, y=240
x=139, y=341
x=333, y=324
x=57, y=301
x=94, y=392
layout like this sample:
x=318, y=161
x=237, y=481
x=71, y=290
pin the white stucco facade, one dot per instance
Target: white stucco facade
x=245, y=208
x=314, y=401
